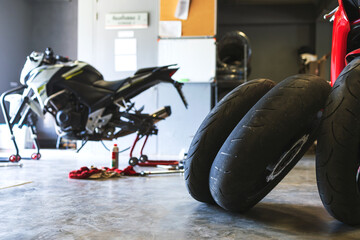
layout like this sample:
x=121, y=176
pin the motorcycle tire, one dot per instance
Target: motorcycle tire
x=352, y=9
x=268, y=142
x=214, y=130
x=337, y=155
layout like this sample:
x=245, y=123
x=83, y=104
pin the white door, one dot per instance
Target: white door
x=96, y=45
x=145, y=39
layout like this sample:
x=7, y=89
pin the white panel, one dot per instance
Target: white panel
x=125, y=46
x=125, y=34
x=195, y=57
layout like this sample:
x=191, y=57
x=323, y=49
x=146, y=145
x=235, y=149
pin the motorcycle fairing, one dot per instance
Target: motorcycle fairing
x=346, y=13
x=116, y=85
x=32, y=61
x=144, y=70
x=37, y=80
x=341, y=29
x=95, y=92
x=135, y=86
x=79, y=80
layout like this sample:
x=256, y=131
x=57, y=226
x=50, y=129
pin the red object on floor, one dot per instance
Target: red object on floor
x=85, y=172
x=129, y=171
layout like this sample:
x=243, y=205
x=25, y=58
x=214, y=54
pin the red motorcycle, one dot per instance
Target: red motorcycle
x=338, y=149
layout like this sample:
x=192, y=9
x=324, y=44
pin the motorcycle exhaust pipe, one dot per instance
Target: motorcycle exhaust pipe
x=161, y=114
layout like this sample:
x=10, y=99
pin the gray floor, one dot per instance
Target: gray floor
x=49, y=205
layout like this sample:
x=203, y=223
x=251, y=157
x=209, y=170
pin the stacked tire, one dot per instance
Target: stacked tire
x=252, y=139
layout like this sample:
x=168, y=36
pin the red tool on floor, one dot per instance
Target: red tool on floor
x=96, y=173
x=143, y=160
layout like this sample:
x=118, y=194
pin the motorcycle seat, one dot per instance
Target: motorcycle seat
x=110, y=85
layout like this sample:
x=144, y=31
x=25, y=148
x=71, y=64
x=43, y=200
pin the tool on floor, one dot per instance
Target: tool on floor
x=16, y=185
x=146, y=173
x=11, y=165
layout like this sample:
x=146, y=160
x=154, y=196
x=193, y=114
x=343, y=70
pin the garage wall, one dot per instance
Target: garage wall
x=27, y=25
x=275, y=32
x=323, y=42
x=54, y=24
x=14, y=40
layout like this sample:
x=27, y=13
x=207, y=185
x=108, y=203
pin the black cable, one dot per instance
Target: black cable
x=82, y=145
x=105, y=146
x=109, y=149
x=124, y=150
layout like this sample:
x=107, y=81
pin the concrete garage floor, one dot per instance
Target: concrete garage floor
x=49, y=205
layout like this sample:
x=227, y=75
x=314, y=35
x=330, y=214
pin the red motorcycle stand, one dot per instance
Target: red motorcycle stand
x=143, y=161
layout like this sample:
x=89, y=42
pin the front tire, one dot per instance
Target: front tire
x=214, y=130
x=338, y=149
x=268, y=142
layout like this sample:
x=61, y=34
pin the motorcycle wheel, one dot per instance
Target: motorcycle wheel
x=213, y=131
x=268, y=142
x=338, y=149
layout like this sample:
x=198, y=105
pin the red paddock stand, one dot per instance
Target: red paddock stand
x=23, y=116
x=143, y=161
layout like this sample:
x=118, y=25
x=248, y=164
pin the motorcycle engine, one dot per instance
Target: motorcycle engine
x=68, y=119
x=70, y=115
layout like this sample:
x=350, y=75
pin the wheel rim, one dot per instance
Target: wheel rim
x=287, y=158
x=12, y=158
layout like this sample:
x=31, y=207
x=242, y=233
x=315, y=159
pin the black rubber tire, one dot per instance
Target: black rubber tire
x=338, y=156
x=266, y=145
x=143, y=158
x=352, y=9
x=133, y=161
x=214, y=130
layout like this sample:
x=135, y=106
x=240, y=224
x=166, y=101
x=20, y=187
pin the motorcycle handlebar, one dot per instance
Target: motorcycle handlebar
x=61, y=58
x=329, y=16
x=49, y=57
